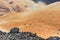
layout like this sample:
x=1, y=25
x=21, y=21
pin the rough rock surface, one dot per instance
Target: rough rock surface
x=14, y=34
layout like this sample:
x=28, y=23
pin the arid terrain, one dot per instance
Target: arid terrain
x=43, y=20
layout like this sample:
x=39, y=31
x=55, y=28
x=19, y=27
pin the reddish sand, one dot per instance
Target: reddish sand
x=45, y=22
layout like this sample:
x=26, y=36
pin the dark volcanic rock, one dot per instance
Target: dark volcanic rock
x=14, y=34
x=54, y=38
x=14, y=30
x=46, y=1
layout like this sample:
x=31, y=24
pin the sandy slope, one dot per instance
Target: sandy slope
x=45, y=22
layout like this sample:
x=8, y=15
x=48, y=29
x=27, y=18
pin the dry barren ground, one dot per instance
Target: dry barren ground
x=43, y=21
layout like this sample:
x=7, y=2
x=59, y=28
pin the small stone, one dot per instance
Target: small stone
x=25, y=5
x=24, y=24
x=10, y=2
x=14, y=30
x=57, y=33
x=17, y=8
x=58, y=29
x=30, y=24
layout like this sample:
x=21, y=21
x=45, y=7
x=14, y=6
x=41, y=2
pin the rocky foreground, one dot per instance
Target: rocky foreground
x=14, y=34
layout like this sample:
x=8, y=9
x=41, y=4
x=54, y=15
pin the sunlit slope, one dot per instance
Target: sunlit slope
x=45, y=22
